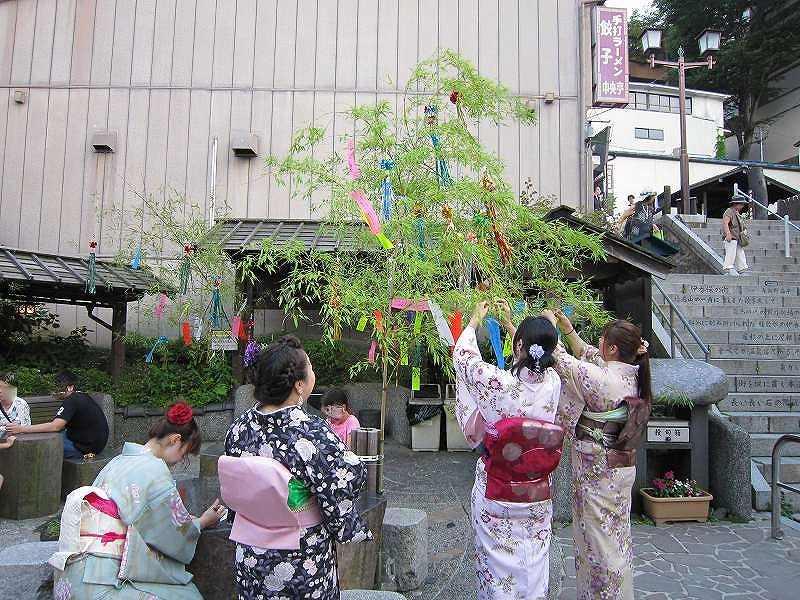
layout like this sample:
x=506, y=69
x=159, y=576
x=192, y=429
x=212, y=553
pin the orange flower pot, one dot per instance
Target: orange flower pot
x=662, y=510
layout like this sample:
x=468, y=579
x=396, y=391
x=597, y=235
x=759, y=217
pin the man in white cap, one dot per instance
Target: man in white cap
x=732, y=228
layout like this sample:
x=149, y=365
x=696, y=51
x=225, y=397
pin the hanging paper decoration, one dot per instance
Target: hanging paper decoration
x=431, y=115
x=159, y=342
x=519, y=307
x=186, y=333
x=136, y=261
x=246, y=330
x=251, y=353
x=197, y=327
x=568, y=311
x=508, y=346
x=216, y=305
x=442, y=172
x=236, y=327
x=403, y=353
x=91, y=269
x=493, y=327
x=455, y=97
x=362, y=323
x=456, y=324
x=186, y=267
x=406, y=304
x=502, y=245
x=441, y=324
x=378, y=320
x=373, y=349
x=161, y=305
x=387, y=191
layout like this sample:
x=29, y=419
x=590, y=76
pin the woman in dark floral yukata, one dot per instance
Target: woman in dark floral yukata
x=292, y=483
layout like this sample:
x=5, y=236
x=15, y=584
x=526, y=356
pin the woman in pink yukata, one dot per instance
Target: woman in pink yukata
x=605, y=404
x=336, y=408
x=511, y=413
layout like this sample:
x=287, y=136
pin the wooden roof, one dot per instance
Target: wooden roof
x=41, y=277
x=246, y=235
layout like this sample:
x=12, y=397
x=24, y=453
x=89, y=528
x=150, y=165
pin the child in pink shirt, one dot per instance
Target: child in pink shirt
x=336, y=407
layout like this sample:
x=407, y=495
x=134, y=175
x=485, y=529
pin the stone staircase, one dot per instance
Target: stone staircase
x=752, y=325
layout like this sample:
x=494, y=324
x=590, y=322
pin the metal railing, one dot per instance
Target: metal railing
x=777, y=485
x=669, y=323
x=787, y=252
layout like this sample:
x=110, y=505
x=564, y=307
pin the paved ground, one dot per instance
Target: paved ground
x=719, y=560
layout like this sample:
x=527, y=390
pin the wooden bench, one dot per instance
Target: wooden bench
x=43, y=408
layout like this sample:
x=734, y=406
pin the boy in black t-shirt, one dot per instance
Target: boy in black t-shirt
x=81, y=417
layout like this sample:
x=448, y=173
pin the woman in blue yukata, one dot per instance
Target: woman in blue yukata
x=292, y=483
x=128, y=536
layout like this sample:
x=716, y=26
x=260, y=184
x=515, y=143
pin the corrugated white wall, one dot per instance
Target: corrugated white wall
x=169, y=76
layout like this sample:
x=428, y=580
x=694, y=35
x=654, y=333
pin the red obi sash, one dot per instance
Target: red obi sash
x=520, y=455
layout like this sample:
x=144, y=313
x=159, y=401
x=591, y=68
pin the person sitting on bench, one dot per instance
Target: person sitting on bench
x=13, y=409
x=79, y=417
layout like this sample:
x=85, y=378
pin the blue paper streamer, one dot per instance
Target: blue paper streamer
x=442, y=172
x=136, y=261
x=493, y=327
x=420, y=224
x=568, y=311
x=519, y=307
x=159, y=342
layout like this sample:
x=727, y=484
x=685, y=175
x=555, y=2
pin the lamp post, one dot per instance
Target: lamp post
x=708, y=41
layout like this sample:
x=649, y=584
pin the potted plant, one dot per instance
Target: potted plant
x=671, y=499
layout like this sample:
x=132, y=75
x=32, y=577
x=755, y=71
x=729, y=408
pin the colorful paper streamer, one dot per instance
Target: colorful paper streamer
x=441, y=324
x=387, y=191
x=186, y=333
x=371, y=218
x=493, y=327
x=456, y=324
x=161, y=305
x=236, y=327
x=378, y=320
x=410, y=305
x=91, y=268
x=362, y=323
x=136, y=261
x=355, y=172
x=418, y=322
x=159, y=342
x=416, y=376
x=373, y=349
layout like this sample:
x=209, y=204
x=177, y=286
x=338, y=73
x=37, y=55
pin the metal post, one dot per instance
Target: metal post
x=787, y=251
x=671, y=331
x=684, y=152
x=777, y=532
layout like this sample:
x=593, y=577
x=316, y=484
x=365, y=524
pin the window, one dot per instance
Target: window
x=642, y=133
x=658, y=103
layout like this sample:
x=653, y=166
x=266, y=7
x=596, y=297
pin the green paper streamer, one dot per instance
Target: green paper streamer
x=418, y=322
x=415, y=378
x=362, y=323
x=508, y=346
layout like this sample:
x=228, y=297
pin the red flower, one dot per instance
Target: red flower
x=179, y=413
x=669, y=475
x=454, y=97
x=659, y=484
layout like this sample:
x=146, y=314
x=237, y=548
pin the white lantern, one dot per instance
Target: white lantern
x=709, y=41
x=651, y=40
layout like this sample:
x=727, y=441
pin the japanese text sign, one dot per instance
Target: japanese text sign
x=610, y=56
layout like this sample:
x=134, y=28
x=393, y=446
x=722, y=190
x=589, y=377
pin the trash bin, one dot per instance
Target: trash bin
x=424, y=414
x=456, y=442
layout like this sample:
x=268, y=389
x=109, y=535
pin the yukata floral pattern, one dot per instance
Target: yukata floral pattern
x=512, y=539
x=312, y=453
x=601, y=524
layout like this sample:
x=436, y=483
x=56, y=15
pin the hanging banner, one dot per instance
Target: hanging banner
x=442, y=326
x=610, y=48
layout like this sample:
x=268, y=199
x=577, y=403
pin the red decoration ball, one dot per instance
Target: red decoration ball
x=454, y=96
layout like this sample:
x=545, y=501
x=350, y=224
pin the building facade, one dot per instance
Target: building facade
x=170, y=82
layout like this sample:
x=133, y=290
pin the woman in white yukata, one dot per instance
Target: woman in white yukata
x=512, y=414
x=605, y=404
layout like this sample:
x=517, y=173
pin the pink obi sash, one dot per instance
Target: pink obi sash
x=520, y=455
x=257, y=489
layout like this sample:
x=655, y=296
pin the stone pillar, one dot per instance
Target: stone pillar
x=32, y=472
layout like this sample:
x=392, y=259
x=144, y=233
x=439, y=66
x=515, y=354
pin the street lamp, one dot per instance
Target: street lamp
x=708, y=42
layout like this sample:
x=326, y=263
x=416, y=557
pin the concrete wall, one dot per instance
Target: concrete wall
x=171, y=76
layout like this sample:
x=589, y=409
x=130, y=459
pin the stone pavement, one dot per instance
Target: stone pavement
x=720, y=560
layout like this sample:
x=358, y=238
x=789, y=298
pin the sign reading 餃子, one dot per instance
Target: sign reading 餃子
x=610, y=56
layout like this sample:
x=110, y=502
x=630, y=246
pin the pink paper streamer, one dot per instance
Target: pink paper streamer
x=160, y=306
x=406, y=304
x=373, y=349
x=370, y=216
x=355, y=172
x=236, y=325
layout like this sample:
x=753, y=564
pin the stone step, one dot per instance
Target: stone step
x=790, y=468
x=776, y=384
x=738, y=366
x=731, y=324
x=755, y=224
x=768, y=300
x=775, y=279
x=767, y=421
x=761, y=445
x=729, y=289
x=749, y=312
x=752, y=337
x=760, y=402
x=749, y=351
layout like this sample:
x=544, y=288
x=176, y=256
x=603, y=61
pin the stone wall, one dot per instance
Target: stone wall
x=693, y=257
x=729, y=465
x=131, y=423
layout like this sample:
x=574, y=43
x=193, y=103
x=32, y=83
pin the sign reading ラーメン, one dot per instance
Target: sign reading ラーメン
x=610, y=56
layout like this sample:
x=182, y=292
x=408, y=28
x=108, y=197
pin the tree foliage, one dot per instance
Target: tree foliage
x=447, y=231
x=756, y=46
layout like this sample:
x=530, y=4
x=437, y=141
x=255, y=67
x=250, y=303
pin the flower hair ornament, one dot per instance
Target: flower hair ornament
x=644, y=348
x=535, y=351
x=179, y=414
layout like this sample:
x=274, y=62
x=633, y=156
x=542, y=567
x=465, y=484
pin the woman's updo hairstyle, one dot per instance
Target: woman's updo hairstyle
x=278, y=368
x=627, y=337
x=179, y=419
x=538, y=338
